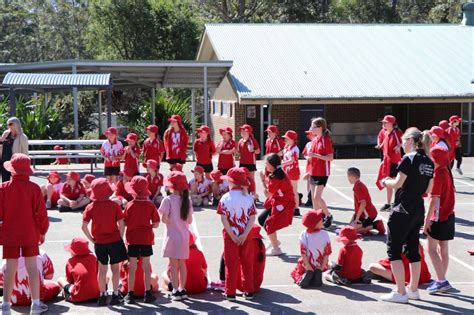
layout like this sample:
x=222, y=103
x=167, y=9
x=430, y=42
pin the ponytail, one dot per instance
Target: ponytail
x=424, y=142
x=184, y=211
x=275, y=161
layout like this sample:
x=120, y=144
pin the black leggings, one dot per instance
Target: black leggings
x=404, y=229
x=458, y=152
x=262, y=217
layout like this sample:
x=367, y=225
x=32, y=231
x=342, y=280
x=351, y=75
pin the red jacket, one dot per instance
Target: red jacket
x=23, y=212
x=179, y=151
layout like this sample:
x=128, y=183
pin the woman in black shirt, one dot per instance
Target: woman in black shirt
x=414, y=179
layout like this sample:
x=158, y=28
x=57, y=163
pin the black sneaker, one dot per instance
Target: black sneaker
x=309, y=203
x=215, y=202
x=176, y=296
x=296, y=212
x=340, y=280
x=300, y=202
x=327, y=221
x=130, y=298
x=184, y=294
x=230, y=297
x=149, y=297
x=102, y=300
x=248, y=295
x=116, y=300
x=385, y=207
x=64, y=209
x=170, y=287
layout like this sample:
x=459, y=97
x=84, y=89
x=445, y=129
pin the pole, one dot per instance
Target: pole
x=75, y=107
x=100, y=113
x=193, y=116
x=153, y=106
x=262, y=143
x=12, y=101
x=206, y=103
x=469, y=130
x=109, y=106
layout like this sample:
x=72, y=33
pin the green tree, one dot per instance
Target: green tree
x=362, y=11
x=303, y=11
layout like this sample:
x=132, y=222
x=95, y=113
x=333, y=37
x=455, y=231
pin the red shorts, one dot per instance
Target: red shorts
x=14, y=252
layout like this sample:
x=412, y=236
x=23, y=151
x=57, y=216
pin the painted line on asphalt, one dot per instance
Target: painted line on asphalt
x=199, y=245
x=459, y=261
x=274, y=286
x=463, y=182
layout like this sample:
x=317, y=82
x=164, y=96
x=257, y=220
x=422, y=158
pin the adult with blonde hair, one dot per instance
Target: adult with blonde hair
x=414, y=179
x=13, y=141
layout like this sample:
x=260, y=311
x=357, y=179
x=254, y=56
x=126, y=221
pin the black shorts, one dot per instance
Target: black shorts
x=443, y=231
x=111, y=253
x=112, y=171
x=393, y=170
x=250, y=167
x=319, y=180
x=404, y=230
x=224, y=171
x=207, y=167
x=136, y=251
x=367, y=222
x=174, y=161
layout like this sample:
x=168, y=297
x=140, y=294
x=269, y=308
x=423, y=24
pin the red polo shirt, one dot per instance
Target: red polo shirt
x=392, y=140
x=120, y=191
x=153, y=150
x=350, y=258
x=204, y=151
x=154, y=183
x=226, y=161
x=105, y=215
x=444, y=189
x=196, y=280
x=322, y=146
x=73, y=193
x=275, y=145
x=139, y=217
x=81, y=271
x=247, y=150
x=131, y=163
x=362, y=193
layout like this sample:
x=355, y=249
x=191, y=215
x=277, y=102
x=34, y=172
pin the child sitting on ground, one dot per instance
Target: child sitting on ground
x=155, y=181
x=315, y=249
x=219, y=186
x=73, y=195
x=60, y=160
x=365, y=213
x=196, y=265
x=121, y=196
x=51, y=190
x=80, y=284
x=86, y=182
x=347, y=269
x=200, y=188
x=139, y=287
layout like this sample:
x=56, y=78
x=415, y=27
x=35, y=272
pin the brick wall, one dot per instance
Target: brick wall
x=354, y=112
x=288, y=116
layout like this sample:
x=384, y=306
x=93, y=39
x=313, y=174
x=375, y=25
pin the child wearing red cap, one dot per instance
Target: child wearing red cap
x=176, y=140
x=383, y=269
x=289, y=162
x=438, y=139
x=112, y=152
x=21, y=295
x=60, y=160
x=348, y=268
x=307, y=175
x=73, y=194
x=200, y=188
x=204, y=149
x=365, y=213
x=51, y=191
x=226, y=149
x=196, y=266
x=106, y=235
x=155, y=181
x=455, y=134
x=391, y=156
x=132, y=154
x=315, y=249
x=24, y=219
x=86, y=182
x=141, y=217
x=321, y=154
x=237, y=211
x=274, y=144
x=279, y=204
x=219, y=186
x=176, y=212
x=80, y=283
x=439, y=221
x=139, y=287
x=153, y=147
x=121, y=196
x=248, y=148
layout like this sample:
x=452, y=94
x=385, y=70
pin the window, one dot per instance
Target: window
x=226, y=109
x=216, y=108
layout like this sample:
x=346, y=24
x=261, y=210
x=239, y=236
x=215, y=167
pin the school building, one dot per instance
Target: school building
x=353, y=75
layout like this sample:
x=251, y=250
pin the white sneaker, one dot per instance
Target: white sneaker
x=412, y=295
x=274, y=251
x=269, y=246
x=394, y=297
x=38, y=309
x=459, y=171
x=48, y=204
x=6, y=309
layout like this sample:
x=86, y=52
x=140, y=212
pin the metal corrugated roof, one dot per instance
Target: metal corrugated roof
x=326, y=61
x=55, y=80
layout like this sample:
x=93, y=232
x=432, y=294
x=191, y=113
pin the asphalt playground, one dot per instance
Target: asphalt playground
x=279, y=294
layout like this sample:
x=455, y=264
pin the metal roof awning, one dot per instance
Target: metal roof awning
x=52, y=81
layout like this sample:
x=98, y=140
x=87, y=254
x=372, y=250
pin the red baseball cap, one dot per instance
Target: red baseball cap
x=89, y=178
x=78, y=247
x=291, y=134
x=444, y=124
x=132, y=137
x=247, y=128
x=389, y=119
x=216, y=175
x=176, y=118
x=237, y=176
x=152, y=128
x=198, y=169
x=440, y=155
x=455, y=118
x=272, y=128
x=53, y=174
x=153, y=164
x=311, y=219
x=347, y=233
x=138, y=187
x=73, y=175
x=177, y=181
x=226, y=130
x=437, y=131
x=204, y=128
x=101, y=189
x=57, y=147
x=176, y=167
x=111, y=130
x=19, y=164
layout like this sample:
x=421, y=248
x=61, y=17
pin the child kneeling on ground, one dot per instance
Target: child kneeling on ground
x=315, y=249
